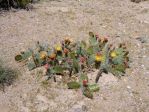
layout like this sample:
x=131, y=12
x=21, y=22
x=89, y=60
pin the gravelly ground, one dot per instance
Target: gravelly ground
x=50, y=21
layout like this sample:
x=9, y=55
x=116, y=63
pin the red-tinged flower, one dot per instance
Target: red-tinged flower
x=46, y=66
x=82, y=59
x=66, y=51
x=85, y=82
x=97, y=37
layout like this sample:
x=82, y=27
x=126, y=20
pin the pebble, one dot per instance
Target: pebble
x=128, y=87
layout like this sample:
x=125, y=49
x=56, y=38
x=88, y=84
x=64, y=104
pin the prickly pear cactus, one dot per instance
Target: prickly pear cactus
x=77, y=58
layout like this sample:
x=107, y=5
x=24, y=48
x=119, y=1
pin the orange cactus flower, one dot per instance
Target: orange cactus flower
x=43, y=54
x=52, y=56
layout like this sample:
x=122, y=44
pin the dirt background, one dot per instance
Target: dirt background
x=50, y=21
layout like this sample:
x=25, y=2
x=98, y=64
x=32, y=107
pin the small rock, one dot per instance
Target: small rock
x=128, y=87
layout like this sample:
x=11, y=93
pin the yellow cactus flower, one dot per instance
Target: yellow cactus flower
x=99, y=58
x=58, y=48
x=113, y=54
